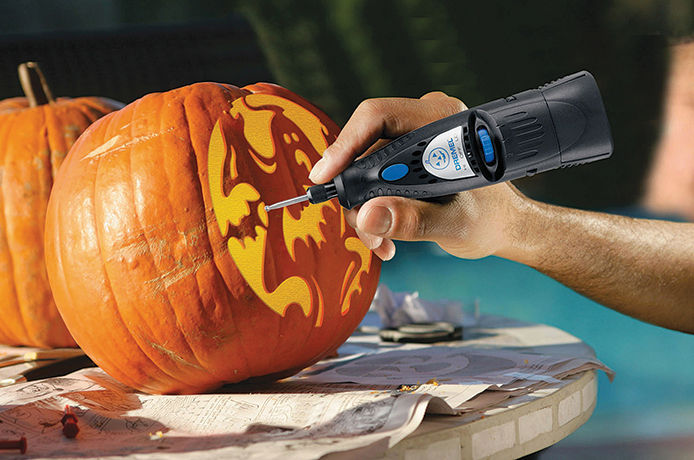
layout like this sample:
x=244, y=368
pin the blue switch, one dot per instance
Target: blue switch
x=487, y=145
x=394, y=172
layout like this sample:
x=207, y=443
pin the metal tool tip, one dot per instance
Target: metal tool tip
x=288, y=202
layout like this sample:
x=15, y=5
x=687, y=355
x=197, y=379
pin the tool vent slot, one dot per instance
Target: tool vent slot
x=528, y=133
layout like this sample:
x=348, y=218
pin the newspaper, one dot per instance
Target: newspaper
x=400, y=308
x=369, y=398
x=455, y=374
x=285, y=420
x=447, y=364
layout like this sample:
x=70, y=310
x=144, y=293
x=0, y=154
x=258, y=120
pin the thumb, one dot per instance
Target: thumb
x=406, y=219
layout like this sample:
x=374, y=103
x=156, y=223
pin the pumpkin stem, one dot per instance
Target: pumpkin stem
x=34, y=84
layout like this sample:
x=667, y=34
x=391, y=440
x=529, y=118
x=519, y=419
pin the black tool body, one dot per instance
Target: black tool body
x=562, y=123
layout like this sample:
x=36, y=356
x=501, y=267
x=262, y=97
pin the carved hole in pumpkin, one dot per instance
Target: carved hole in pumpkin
x=226, y=179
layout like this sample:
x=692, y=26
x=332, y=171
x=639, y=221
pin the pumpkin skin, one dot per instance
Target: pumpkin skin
x=166, y=268
x=33, y=144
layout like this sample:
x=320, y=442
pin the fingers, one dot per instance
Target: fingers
x=380, y=118
x=374, y=120
x=383, y=219
x=370, y=241
x=379, y=144
x=386, y=250
x=382, y=247
x=406, y=219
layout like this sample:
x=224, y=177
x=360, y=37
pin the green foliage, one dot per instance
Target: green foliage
x=339, y=53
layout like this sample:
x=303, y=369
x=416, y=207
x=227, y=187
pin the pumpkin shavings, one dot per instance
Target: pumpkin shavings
x=407, y=388
x=156, y=436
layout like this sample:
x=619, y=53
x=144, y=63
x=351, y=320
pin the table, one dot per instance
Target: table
x=514, y=428
x=520, y=426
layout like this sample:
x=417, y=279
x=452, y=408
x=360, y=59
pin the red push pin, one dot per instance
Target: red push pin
x=69, y=421
x=20, y=445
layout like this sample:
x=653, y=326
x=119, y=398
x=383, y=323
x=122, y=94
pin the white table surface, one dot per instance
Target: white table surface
x=517, y=427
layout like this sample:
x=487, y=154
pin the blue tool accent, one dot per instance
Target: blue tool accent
x=395, y=172
x=487, y=145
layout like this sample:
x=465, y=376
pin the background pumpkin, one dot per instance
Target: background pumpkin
x=36, y=133
x=166, y=268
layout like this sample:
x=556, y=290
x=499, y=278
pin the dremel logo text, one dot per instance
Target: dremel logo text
x=454, y=154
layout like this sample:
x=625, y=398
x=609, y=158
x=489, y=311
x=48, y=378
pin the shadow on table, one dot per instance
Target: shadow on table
x=103, y=435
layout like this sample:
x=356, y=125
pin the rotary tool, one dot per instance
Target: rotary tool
x=562, y=123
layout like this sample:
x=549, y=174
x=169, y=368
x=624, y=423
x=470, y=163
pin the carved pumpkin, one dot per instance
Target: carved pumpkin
x=36, y=133
x=165, y=266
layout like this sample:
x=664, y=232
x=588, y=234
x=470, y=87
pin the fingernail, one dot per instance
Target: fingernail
x=377, y=221
x=316, y=170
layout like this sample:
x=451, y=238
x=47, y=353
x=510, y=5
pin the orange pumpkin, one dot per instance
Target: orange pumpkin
x=165, y=266
x=36, y=133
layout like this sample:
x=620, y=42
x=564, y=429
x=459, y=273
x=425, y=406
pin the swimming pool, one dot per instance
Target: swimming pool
x=652, y=394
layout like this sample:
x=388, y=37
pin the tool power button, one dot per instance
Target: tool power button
x=394, y=172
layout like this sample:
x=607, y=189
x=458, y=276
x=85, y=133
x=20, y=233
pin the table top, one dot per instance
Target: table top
x=518, y=426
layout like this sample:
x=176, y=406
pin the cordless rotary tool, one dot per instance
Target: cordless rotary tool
x=562, y=123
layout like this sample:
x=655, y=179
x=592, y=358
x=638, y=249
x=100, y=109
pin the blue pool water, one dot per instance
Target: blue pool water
x=653, y=392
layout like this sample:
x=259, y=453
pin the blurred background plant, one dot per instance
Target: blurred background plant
x=337, y=53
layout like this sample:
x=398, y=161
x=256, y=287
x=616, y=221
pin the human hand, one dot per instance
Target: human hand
x=471, y=225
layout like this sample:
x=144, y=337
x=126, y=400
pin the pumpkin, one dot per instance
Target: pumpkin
x=36, y=133
x=164, y=264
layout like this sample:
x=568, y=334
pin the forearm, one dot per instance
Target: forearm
x=642, y=268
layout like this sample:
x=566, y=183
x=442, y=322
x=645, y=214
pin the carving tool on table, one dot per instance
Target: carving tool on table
x=49, y=368
x=559, y=124
x=40, y=355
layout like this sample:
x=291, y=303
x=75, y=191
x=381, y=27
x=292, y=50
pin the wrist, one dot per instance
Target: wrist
x=525, y=231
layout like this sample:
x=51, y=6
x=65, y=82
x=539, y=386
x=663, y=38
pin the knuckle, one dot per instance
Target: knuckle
x=412, y=224
x=329, y=153
x=435, y=95
x=392, y=122
x=457, y=105
x=369, y=106
x=453, y=105
x=449, y=104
